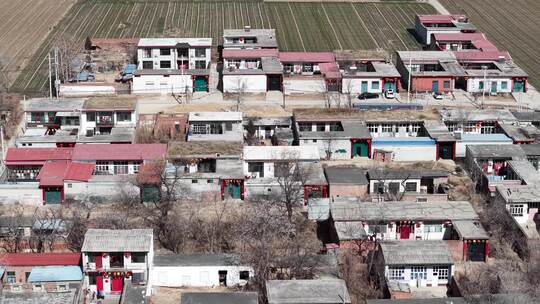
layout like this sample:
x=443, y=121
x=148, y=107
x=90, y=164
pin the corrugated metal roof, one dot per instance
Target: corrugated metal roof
x=53, y=173
x=119, y=152
x=55, y=274
x=38, y=156
x=418, y=252
x=40, y=259
x=108, y=240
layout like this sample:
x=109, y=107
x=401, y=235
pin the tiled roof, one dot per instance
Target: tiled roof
x=39, y=259
x=108, y=240
x=119, y=152
x=53, y=173
x=317, y=57
x=307, y=291
x=55, y=274
x=37, y=156
x=417, y=252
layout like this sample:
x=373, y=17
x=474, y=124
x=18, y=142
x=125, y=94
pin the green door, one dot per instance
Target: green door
x=53, y=195
x=200, y=84
x=363, y=87
x=493, y=87
x=233, y=191
x=518, y=86
x=390, y=85
x=150, y=193
x=360, y=149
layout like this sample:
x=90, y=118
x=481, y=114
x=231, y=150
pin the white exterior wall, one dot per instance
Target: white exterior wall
x=256, y=190
x=250, y=83
x=354, y=85
x=373, y=188
x=298, y=86
x=268, y=169
x=195, y=276
x=27, y=193
x=87, y=125
x=431, y=279
x=419, y=232
x=71, y=90
x=340, y=148
x=156, y=57
x=461, y=146
x=473, y=84
x=158, y=84
x=36, y=144
x=409, y=152
x=104, y=189
x=524, y=217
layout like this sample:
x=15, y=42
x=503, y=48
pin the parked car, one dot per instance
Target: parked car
x=438, y=95
x=389, y=94
x=367, y=95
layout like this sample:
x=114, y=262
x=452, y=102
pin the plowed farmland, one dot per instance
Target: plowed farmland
x=24, y=24
x=299, y=26
x=511, y=25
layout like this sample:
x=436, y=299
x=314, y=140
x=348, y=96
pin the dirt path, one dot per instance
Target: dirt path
x=439, y=7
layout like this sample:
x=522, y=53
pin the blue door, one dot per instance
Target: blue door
x=363, y=88
x=435, y=86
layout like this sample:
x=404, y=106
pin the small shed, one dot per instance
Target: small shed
x=347, y=181
x=332, y=291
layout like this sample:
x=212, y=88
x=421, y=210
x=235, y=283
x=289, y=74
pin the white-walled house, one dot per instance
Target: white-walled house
x=172, y=65
x=221, y=126
x=406, y=262
x=249, y=38
x=521, y=201
x=110, y=258
x=198, y=270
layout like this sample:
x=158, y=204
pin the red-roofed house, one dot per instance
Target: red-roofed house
x=16, y=267
x=427, y=25
x=23, y=164
x=54, y=174
x=461, y=42
x=302, y=71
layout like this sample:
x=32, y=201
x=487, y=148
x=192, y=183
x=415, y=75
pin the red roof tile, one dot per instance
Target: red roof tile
x=150, y=174
x=249, y=53
x=119, y=152
x=36, y=156
x=439, y=18
x=54, y=173
x=330, y=70
x=40, y=259
x=317, y=57
x=481, y=56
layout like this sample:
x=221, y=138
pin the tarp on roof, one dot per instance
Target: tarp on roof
x=55, y=274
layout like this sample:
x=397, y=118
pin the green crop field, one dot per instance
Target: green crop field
x=511, y=25
x=300, y=26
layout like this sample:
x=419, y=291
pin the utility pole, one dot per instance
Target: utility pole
x=409, y=81
x=50, y=77
x=56, y=80
x=2, y=142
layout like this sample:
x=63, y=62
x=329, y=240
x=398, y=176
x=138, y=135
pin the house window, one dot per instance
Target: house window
x=121, y=168
x=441, y=272
x=165, y=64
x=452, y=126
x=91, y=116
x=410, y=187
x=123, y=116
x=209, y=181
x=101, y=168
x=256, y=167
x=37, y=117
x=387, y=128
x=148, y=65
x=147, y=53
x=38, y=287
x=165, y=52
x=516, y=210
x=418, y=272
x=446, y=84
x=372, y=229
x=216, y=128
x=26, y=275
x=307, y=68
x=373, y=128
x=228, y=126
x=396, y=273
x=206, y=166
x=194, y=181
x=481, y=85
x=415, y=127
x=91, y=258
x=200, y=52
x=198, y=129
x=433, y=228
x=321, y=127
x=375, y=85
x=281, y=169
x=137, y=278
x=92, y=280
x=138, y=257
x=305, y=127
x=10, y=277
x=200, y=64
x=504, y=85
x=314, y=140
x=244, y=275
x=136, y=168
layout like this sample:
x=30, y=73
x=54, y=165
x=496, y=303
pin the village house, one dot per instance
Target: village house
x=533, y=154
x=219, y=298
x=22, y=233
x=328, y=291
x=265, y=166
x=40, y=271
x=426, y=26
x=251, y=71
x=249, y=38
x=367, y=72
x=527, y=118
x=456, y=42
x=305, y=72
x=275, y=131
x=429, y=71
x=406, y=265
x=522, y=203
x=199, y=270
x=209, y=126
x=407, y=185
x=110, y=258
x=455, y=222
x=206, y=170
x=346, y=182
x=172, y=65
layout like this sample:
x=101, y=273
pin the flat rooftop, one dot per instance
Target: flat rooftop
x=215, y=116
x=196, y=260
x=266, y=38
x=519, y=193
x=181, y=149
x=351, y=129
x=173, y=42
x=54, y=105
x=414, y=253
x=337, y=114
x=526, y=171
x=346, y=175
x=513, y=152
x=111, y=103
x=461, y=115
x=307, y=291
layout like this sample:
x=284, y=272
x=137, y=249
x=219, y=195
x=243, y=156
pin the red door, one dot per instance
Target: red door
x=117, y=283
x=405, y=232
x=99, y=283
x=99, y=261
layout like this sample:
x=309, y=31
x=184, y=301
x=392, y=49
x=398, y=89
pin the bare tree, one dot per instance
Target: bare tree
x=240, y=92
x=251, y=134
x=69, y=50
x=13, y=234
x=291, y=176
x=5, y=75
